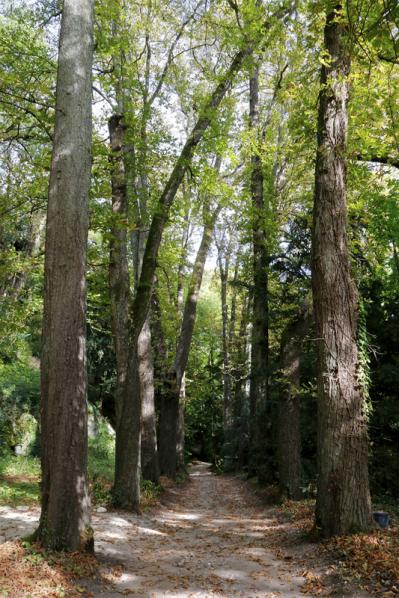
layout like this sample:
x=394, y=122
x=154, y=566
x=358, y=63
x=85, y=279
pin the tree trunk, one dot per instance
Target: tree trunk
x=343, y=499
x=240, y=404
x=289, y=420
x=119, y=280
x=170, y=404
x=149, y=449
x=65, y=517
x=260, y=324
x=141, y=304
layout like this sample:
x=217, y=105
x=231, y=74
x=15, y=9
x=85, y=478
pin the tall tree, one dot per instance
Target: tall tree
x=343, y=498
x=260, y=324
x=169, y=418
x=65, y=517
x=289, y=413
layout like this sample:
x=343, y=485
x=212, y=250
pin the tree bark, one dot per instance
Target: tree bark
x=289, y=419
x=343, y=499
x=65, y=517
x=149, y=448
x=119, y=280
x=260, y=324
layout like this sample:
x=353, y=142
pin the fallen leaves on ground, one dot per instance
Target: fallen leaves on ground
x=30, y=572
x=372, y=559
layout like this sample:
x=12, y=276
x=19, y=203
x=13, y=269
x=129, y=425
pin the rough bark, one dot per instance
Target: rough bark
x=343, y=499
x=149, y=446
x=289, y=417
x=260, y=323
x=169, y=417
x=65, y=516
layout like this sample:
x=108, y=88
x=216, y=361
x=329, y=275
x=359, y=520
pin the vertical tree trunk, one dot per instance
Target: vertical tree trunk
x=228, y=446
x=260, y=324
x=289, y=419
x=170, y=404
x=119, y=280
x=149, y=448
x=65, y=517
x=142, y=300
x=343, y=499
x=240, y=405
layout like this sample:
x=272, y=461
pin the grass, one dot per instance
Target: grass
x=20, y=476
x=19, y=480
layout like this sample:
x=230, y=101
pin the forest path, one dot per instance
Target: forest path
x=209, y=540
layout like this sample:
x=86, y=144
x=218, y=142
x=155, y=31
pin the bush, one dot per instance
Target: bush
x=19, y=405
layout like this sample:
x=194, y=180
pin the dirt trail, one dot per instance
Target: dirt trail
x=211, y=538
x=206, y=542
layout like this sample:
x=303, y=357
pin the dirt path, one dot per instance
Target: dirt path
x=206, y=542
x=210, y=538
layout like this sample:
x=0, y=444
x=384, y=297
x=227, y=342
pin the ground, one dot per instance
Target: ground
x=210, y=537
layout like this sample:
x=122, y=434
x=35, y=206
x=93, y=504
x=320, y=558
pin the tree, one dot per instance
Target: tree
x=65, y=516
x=343, y=498
x=169, y=416
x=289, y=413
x=260, y=325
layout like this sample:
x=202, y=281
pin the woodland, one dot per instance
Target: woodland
x=199, y=259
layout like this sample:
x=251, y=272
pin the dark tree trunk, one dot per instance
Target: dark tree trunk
x=289, y=420
x=65, y=517
x=169, y=417
x=343, y=499
x=240, y=400
x=119, y=281
x=260, y=323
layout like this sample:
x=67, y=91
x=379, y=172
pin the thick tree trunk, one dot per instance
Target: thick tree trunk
x=149, y=446
x=260, y=324
x=343, y=499
x=289, y=419
x=169, y=418
x=65, y=517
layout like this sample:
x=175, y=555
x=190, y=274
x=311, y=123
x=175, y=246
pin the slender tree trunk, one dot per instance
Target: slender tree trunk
x=240, y=405
x=149, y=448
x=65, y=517
x=343, y=499
x=289, y=418
x=170, y=404
x=260, y=324
x=119, y=280
x=180, y=461
x=141, y=304
x=224, y=273
x=228, y=449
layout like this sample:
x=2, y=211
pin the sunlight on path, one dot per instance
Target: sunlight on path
x=206, y=543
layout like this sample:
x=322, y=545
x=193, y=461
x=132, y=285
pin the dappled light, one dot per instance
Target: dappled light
x=199, y=291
